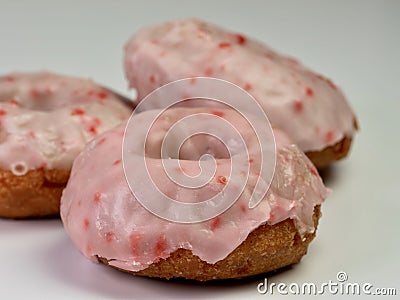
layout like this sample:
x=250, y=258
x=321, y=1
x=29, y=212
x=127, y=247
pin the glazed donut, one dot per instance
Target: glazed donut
x=310, y=108
x=108, y=223
x=46, y=119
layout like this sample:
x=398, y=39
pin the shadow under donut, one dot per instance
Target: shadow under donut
x=67, y=265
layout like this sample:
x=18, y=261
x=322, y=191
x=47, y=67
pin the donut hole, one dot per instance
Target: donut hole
x=195, y=134
x=36, y=95
x=197, y=146
x=47, y=92
x=43, y=101
x=192, y=149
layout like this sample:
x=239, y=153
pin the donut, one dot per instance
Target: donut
x=108, y=222
x=45, y=121
x=309, y=107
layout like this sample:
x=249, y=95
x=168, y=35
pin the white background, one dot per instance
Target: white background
x=354, y=42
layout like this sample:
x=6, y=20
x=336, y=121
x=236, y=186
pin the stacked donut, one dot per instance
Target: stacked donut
x=196, y=189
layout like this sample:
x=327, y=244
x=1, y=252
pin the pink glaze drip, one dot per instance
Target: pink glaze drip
x=46, y=119
x=103, y=218
x=296, y=99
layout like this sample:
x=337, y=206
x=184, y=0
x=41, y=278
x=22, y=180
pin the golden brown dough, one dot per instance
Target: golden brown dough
x=266, y=249
x=329, y=155
x=322, y=159
x=35, y=194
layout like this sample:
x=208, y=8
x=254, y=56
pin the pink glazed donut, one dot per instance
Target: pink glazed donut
x=310, y=108
x=107, y=223
x=45, y=121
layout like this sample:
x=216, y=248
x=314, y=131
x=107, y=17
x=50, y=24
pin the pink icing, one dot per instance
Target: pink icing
x=307, y=106
x=46, y=119
x=103, y=218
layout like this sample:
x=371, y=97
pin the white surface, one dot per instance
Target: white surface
x=354, y=42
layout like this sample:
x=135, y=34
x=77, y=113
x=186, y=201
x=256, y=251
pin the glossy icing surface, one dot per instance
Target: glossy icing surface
x=46, y=119
x=106, y=220
x=310, y=108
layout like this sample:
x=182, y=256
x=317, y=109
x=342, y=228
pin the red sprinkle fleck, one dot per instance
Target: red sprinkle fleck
x=209, y=71
x=12, y=102
x=224, y=45
x=10, y=78
x=86, y=224
x=271, y=217
x=117, y=162
x=222, y=179
x=298, y=105
x=247, y=87
x=215, y=223
x=31, y=134
x=109, y=236
x=152, y=78
x=309, y=92
x=313, y=171
x=93, y=130
x=97, y=197
x=2, y=112
x=154, y=41
x=240, y=39
x=243, y=208
x=251, y=160
x=161, y=246
x=329, y=136
x=77, y=112
x=134, y=241
x=102, y=95
x=218, y=113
